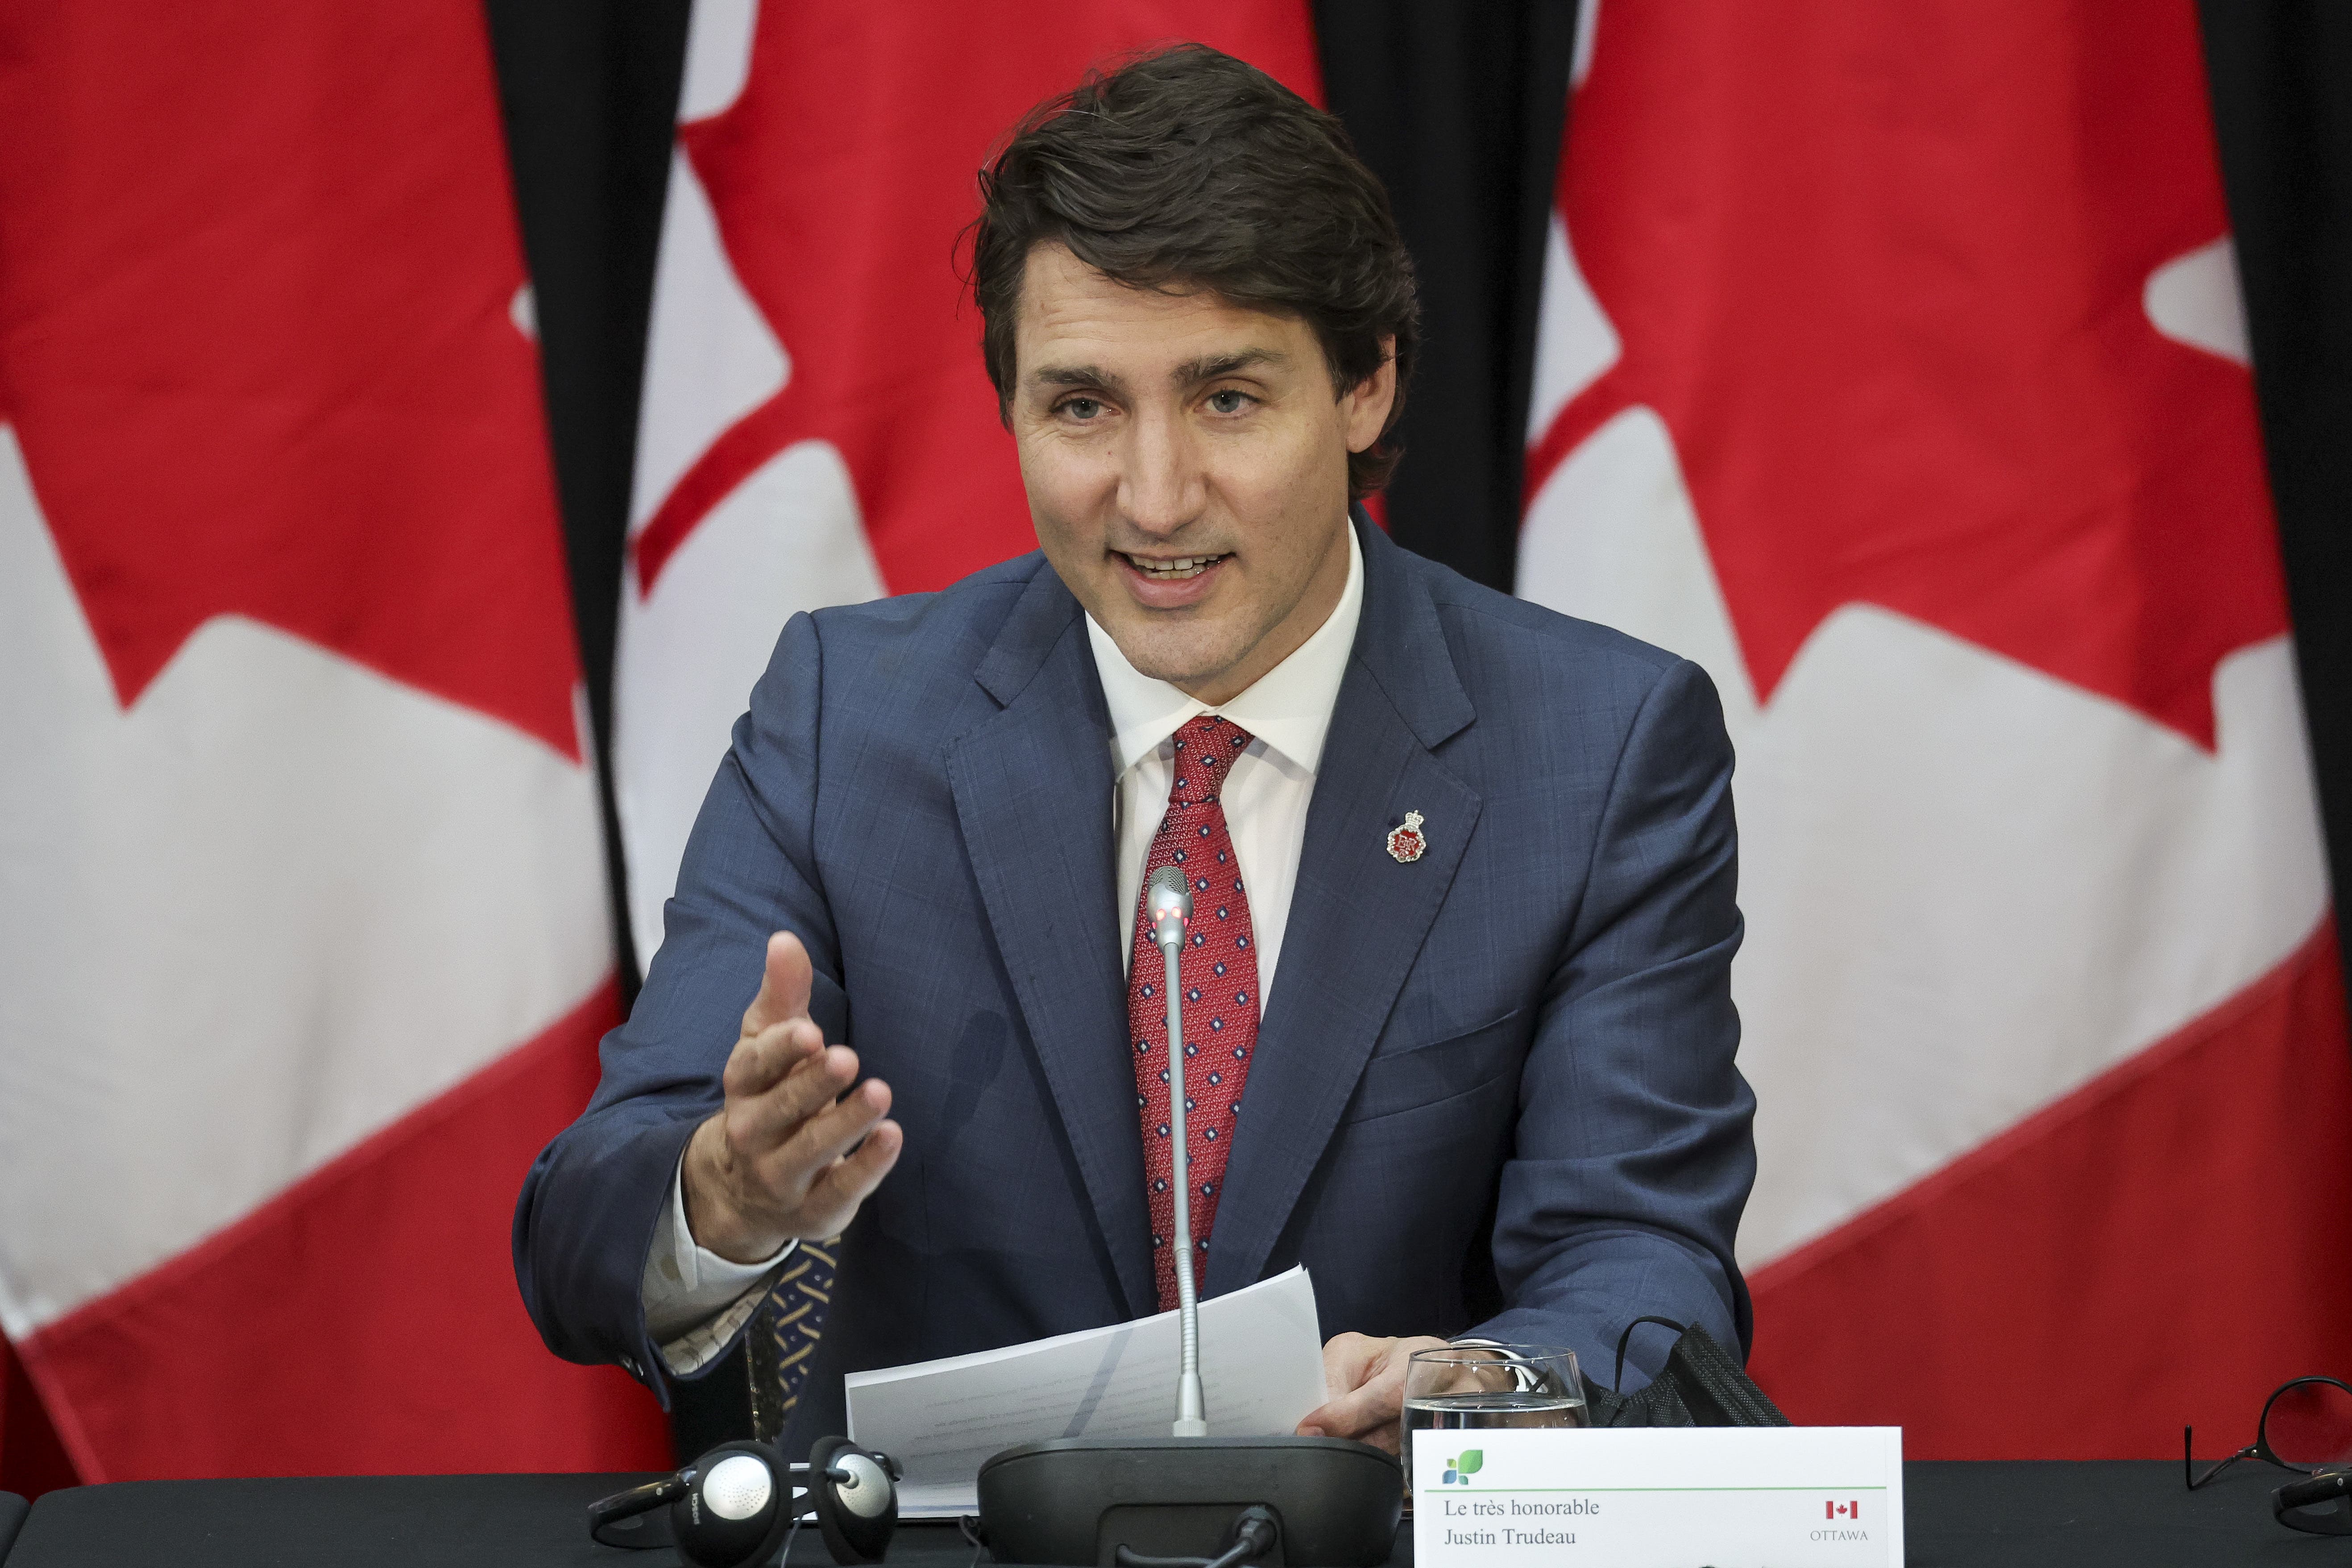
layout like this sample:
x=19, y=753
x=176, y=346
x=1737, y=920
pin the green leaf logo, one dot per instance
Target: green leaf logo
x=1472, y=1460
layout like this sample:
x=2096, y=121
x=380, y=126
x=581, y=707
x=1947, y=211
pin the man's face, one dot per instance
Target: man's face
x=1187, y=470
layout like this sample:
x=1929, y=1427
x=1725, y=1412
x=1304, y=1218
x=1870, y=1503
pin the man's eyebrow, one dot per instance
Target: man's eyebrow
x=1192, y=373
x=1076, y=376
x=1208, y=367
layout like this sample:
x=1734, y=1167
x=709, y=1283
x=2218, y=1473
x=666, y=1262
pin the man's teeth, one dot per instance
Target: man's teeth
x=1174, y=571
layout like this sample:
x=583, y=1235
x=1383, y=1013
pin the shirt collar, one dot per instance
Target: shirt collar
x=1288, y=707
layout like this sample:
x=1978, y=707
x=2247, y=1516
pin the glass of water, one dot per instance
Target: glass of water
x=1461, y=1388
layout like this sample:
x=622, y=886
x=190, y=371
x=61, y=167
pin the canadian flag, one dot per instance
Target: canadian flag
x=1892, y=366
x=303, y=942
x=817, y=428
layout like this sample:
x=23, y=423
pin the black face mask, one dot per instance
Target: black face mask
x=1701, y=1385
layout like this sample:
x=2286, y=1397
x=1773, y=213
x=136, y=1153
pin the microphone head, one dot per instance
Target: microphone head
x=1167, y=900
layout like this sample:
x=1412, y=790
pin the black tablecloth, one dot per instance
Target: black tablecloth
x=2015, y=1515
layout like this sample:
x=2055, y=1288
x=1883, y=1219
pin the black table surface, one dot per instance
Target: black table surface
x=2014, y=1514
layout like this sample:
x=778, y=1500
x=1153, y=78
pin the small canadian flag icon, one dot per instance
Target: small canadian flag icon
x=1841, y=1510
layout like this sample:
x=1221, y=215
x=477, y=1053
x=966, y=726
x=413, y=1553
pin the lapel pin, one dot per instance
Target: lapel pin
x=1406, y=844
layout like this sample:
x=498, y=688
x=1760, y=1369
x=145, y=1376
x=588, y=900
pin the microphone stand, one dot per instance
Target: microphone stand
x=1190, y=1420
x=1184, y=1501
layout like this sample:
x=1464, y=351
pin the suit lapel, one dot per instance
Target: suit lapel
x=1357, y=916
x=1032, y=794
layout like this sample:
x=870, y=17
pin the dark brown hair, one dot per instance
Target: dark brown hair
x=1189, y=169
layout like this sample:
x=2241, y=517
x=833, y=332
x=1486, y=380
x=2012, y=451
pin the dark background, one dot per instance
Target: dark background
x=2282, y=79
x=1459, y=108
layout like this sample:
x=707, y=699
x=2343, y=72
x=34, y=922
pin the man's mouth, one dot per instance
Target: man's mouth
x=1176, y=569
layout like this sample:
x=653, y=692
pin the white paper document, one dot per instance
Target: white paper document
x=1261, y=1372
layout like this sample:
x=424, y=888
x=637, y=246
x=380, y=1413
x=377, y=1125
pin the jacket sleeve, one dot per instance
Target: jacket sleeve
x=1635, y=1148
x=590, y=1205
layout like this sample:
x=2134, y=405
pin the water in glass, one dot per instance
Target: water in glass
x=1467, y=1389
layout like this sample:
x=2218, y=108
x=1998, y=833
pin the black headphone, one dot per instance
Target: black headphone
x=735, y=1506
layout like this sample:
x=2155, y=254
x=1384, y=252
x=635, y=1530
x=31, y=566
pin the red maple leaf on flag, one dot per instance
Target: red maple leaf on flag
x=1881, y=271
x=259, y=354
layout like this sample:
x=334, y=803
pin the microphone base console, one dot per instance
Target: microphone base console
x=1076, y=1500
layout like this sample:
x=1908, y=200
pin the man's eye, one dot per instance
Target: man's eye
x=1082, y=407
x=1228, y=402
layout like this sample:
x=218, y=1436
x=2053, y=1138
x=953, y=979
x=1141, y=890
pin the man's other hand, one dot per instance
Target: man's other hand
x=1363, y=1382
x=775, y=1162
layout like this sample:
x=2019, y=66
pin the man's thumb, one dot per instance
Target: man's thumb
x=783, y=985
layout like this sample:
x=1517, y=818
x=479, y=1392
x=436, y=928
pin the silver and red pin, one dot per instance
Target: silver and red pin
x=1405, y=843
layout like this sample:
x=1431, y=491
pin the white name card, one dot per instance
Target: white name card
x=1727, y=1497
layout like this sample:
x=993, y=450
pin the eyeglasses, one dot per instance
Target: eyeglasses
x=2305, y=1427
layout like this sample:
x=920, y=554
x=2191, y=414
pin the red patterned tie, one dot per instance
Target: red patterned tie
x=1219, y=968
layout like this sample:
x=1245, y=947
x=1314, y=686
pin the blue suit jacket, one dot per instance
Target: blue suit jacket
x=1494, y=1091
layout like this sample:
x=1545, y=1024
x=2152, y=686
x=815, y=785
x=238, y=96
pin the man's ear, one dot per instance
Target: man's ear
x=1366, y=404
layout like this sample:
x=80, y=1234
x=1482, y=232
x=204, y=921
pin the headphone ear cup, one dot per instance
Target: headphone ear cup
x=737, y=1510
x=859, y=1515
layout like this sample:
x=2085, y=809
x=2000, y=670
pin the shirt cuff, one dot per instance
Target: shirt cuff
x=695, y=1301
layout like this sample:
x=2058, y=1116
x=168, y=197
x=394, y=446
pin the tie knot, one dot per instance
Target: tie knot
x=1205, y=748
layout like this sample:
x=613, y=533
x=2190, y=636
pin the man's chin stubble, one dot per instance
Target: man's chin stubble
x=1183, y=669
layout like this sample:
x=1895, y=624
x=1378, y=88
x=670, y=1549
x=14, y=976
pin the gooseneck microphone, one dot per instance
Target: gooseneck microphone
x=1169, y=897
x=1185, y=1500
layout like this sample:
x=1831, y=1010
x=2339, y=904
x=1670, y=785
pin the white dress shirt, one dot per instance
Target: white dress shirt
x=696, y=1299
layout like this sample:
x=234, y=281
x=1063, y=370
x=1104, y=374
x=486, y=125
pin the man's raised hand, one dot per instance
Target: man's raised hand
x=774, y=1164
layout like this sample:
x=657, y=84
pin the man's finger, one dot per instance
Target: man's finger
x=819, y=1164
x=783, y=985
x=758, y=1062
x=1358, y=1413
x=831, y=1132
x=851, y=1180
x=758, y=1124
x=1348, y=1360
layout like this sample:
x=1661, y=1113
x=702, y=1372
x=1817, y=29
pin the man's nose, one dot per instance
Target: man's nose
x=1162, y=488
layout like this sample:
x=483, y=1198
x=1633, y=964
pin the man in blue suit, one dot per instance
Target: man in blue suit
x=1466, y=867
